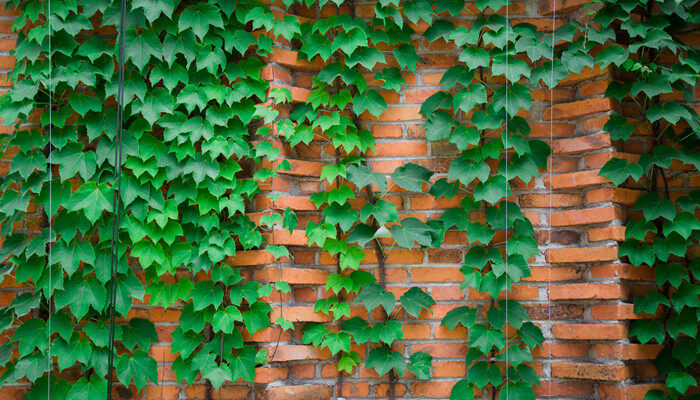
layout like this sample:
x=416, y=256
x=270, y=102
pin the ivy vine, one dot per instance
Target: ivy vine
x=199, y=125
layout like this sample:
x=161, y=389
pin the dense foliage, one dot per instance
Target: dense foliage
x=201, y=128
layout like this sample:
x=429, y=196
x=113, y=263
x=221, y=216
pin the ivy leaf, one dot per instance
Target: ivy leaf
x=368, y=57
x=73, y=161
x=370, y=101
x=645, y=330
x=638, y=252
x=618, y=170
x=465, y=171
x=206, y=293
x=348, y=361
x=680, y=381
x=463, y=390
x=482, y=373
x=92, y=199
x=373, y=295
x=141, y=45
x=415, y=299
x=139, y=366
x=337, y=342
x=81, y=293
x=411, y=230
x=420, y=364
x=438, y=125
x=475, y=57
x=314, y=333
x=438, y=101
x=199, y=17
x=94, y=389
x=82, y=103
x=256, y=317
x=30, y=335
x=406, y=56
x=152, y=9
x=467, y=99
x=383, y=360
x=492, y=190
x=653, y=206
x=465, y=316
x=530, y=334
x=411, y=177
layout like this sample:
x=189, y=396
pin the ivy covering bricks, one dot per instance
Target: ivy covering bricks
x=301, y=199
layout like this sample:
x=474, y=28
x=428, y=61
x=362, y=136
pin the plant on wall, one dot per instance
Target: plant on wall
x=193, y=97
x=655, y=73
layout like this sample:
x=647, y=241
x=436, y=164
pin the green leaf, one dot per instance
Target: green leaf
x=414, y=300
x=373, y=295
x=467, y=99
x=152, y=9
x=618, y=170
x=483, y=373
x=81, y=293
x=370, y=101
x=139, y=366
x=348, y=361
x=256, y=317
x=337, y=342
x=141, y=46
x=465, y=316
x=530, y=334
x=411, y=230
x=368, y=57
x=463, y=390
x=680, y=381
x=406, y=56
x=438, y=126
x=314, y=333
x=73, y=161
x=383, y=360
x=465, y=171
x=411, y=177
x=420, y=364
x=199, y=17
x=82, y=103
x=94, y=389
x=653, y=206
x=645, y=330
x=30, y=335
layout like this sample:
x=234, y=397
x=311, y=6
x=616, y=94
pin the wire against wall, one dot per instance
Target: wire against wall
x=114, y=254
x=50, y=217
x=549, y=225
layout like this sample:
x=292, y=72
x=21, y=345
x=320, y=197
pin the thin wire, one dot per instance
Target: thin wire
x=507, y=187
x=549, y=240
x=48, y=298
x=115, y=199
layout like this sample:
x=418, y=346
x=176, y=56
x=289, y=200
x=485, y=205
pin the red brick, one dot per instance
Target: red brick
x=588, y=291
x=581, y=254
x=591, y=371
x=589, y=331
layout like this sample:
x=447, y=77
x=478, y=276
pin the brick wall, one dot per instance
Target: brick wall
x=579, y=293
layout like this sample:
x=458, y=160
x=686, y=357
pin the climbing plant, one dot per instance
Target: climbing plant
x=193, y=102
x=201, y=128
x=340, y=95
x=480, y=112
x=655, y=73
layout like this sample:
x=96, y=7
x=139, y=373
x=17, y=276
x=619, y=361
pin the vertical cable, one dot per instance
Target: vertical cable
x=505, y=330
x=114, y=255
x=48, y=298
x=549, y=224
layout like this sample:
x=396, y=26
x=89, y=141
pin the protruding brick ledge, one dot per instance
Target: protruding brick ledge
x=599, y=372
x=300, y=392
